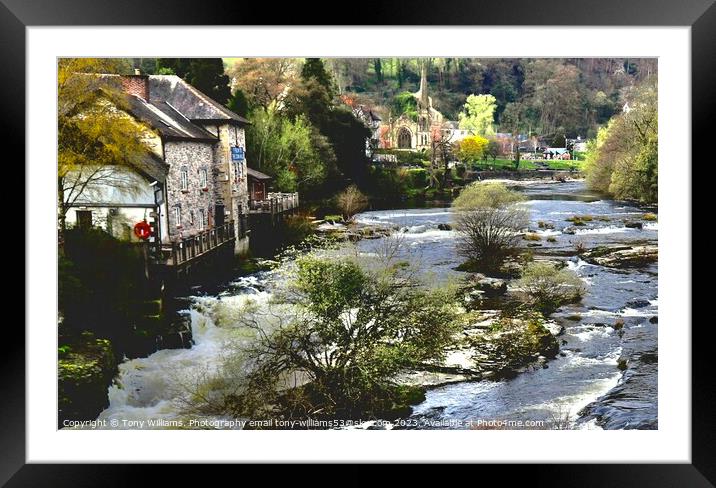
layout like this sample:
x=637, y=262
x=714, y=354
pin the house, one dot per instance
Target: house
x=372, y=121
x=262, y=201
x=556, y=153
x=193, y=185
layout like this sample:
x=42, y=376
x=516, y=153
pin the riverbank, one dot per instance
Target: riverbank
x=607, y=343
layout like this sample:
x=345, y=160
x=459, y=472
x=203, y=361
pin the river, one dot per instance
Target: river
x=582, y=388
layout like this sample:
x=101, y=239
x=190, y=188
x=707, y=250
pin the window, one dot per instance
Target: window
x=177, y=216
x=203, y=178
x=191, y=217
x=238, y=170
x=184, y=175
x=202, y=219
x=84, y=219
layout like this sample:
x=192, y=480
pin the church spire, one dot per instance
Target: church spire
x=424, y=83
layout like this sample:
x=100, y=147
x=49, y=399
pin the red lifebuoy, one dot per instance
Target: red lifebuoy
x=142, y=230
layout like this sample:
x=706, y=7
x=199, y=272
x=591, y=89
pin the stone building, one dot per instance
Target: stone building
x=196, y=174
x=406, y=132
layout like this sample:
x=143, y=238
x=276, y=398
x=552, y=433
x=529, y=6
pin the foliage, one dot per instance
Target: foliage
x=206, y=74
x=351, y=201
x=471, y=149
x=238, y=103
x=404, y=103
x=546, y=288
x=623, y=160
x=264, y=81
x=353, y=328
x=478, y=115
x=488, y=220
x=97, y=140
x=492, y=150
x=98, y=279
x=286, y=150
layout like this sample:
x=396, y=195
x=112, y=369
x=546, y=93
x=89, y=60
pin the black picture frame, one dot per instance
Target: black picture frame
x=16, y=15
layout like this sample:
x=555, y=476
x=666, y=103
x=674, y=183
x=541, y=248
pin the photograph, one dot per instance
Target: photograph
x=356, y=243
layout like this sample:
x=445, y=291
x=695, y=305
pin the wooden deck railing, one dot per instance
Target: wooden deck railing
x=196, y=245
x=274, y=203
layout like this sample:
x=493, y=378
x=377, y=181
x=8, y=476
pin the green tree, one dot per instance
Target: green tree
x=207, y=75
x=488, y=219
x=97, y=139
x=546, y=288
x=238, y=103
x=623, y=160
x=286, y=149
x=478, y=115
x=313, y=68
x=351, y=330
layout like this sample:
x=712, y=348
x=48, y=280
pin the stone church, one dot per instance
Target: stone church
x=414, y=134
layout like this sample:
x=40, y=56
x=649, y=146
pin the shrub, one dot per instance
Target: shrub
x=649, y=217
x=532, y=236
x=546, y=288
x=351, y=201
x=418, y=178
x=488, y=220
x=351, y=329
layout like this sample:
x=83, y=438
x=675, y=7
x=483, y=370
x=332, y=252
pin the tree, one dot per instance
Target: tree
x=488, y=219
x=97, y=139
x=351, y=201
x=546, y=288
x=313, y=68
x=286, y=150
x=492, y=150
x=623, y=159
x=478, y=114
x=238, y=103
x=264, y=81
x=471, y=149
x=207, y=75
x=351, y=329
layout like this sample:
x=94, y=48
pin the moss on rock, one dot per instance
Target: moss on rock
x=85, y=371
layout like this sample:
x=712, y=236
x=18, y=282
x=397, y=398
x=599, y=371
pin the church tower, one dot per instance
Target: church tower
x=424, y=106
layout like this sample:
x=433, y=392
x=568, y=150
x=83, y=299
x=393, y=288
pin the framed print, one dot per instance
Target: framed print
x=438, y=239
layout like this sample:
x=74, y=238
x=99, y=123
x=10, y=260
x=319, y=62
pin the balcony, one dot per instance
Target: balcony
x=274, y=203
x=192, y=248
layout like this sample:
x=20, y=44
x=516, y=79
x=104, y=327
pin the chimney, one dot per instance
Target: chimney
x=136, y=84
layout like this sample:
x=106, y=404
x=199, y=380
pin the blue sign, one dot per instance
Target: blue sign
x=237, y=153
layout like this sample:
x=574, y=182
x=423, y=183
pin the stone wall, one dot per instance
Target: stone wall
x=195, y=158
x=231, y=189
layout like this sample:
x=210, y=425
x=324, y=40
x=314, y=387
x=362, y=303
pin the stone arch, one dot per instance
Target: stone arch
x=405, y=138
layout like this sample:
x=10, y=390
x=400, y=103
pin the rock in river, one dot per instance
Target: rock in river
x=623, y=256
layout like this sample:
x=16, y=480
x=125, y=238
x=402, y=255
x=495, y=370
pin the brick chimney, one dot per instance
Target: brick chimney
x=136, y=84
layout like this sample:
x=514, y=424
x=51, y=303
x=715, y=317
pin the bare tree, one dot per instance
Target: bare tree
x=488, y=221
x=351, y=201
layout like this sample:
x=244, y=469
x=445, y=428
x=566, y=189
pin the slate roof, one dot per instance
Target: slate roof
x=257, y=174
x=153, y=167
x=189, y=101
x=171, y=124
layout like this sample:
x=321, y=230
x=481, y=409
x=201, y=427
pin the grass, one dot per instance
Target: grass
x=501, y=164
x=580, y=220
x=649, y=217
x=333, y=218
x=532, y=237
x=551, y=239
